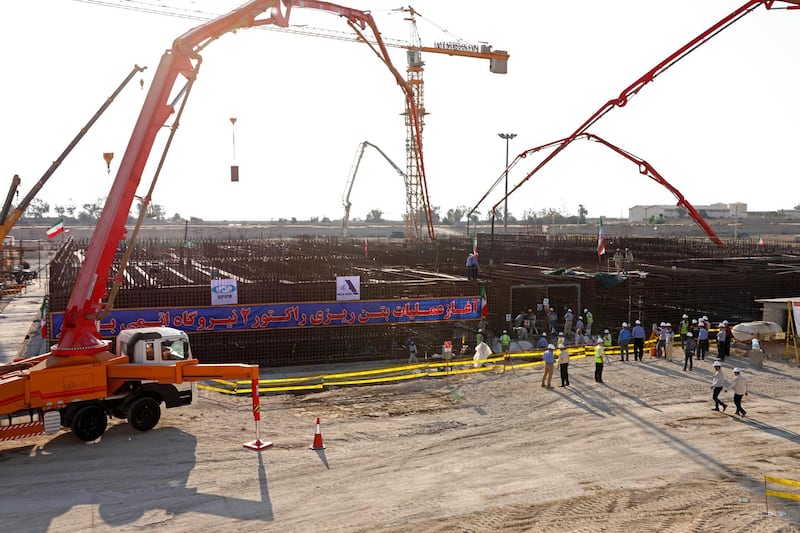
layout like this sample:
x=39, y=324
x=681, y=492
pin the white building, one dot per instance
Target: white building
x=643, y=213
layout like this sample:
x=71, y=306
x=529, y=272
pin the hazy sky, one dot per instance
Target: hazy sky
x=721, y=125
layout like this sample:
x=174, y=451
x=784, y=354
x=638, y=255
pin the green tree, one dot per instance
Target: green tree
x=36, y=209
x=376, y=215
x=582, y=212
x=154, y=211
x=91, y=212
x=529, y=216
x=474, y=217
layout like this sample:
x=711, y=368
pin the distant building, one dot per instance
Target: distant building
x=643, y=213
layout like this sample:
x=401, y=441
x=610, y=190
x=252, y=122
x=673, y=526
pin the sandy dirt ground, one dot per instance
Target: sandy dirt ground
x=483, y=452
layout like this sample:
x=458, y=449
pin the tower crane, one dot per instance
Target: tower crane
x=417, y=199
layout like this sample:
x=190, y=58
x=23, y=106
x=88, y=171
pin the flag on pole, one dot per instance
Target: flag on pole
x=475, y=245
x=760, y=241
x=56, y=228
x=366, y=248
x=601, y=240
x=43, y=317
x=484, y=303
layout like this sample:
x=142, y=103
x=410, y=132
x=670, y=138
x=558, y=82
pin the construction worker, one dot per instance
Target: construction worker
x=552, y=321
x=702, y=341
x=589, y=320
x=549, y=358
x=624, y=339
x=412, y=351
x=505, y=344
x=638, y=335
x=683, y=328
x=542, y=341
x=618, y=259
x=607, y=340
x=599, y=359
x=627, y=263
x=569, y=316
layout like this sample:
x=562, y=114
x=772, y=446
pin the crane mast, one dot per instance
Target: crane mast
x=417, y=199
x=416, y=189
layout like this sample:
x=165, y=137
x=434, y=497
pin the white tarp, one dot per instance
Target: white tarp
x=482, y=351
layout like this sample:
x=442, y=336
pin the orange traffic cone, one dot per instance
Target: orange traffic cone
x=317, y=445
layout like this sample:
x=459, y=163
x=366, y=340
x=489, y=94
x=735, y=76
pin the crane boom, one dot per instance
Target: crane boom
x=15, y=181
x=79, y=334
x=647, y=169
x=354, y=171
x=7, y=222
x=634, y=88
x=417, y=198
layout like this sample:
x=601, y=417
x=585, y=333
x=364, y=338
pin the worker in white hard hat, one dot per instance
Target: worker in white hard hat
x=542, y=343
x=717, y=383
x=638, y=334
x=670, y=339
x=683, y=329
x=569, y=316
x=702, y=341
x=607, y=339
x=661, y=343
x=589, y=321
x=549, y=359
x=563, y=365
x=599, y=360
x=726, y=334
x=739, y=386
x=624, y=339
x=505, y=345
x=689, y=349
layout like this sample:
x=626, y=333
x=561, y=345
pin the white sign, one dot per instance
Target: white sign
x=224, y=292
x=348, y=287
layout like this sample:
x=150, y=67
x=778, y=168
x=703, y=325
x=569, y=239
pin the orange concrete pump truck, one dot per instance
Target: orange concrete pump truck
x=80, y=383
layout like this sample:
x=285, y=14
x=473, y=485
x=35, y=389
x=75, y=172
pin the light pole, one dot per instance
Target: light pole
x=507, y=137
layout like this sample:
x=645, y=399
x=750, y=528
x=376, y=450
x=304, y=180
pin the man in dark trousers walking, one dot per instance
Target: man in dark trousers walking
x=638, y=335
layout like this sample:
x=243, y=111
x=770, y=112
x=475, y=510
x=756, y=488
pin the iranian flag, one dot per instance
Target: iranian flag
x=760, y=241
x=484, y=303
x=475, y=245
x=43, y=317
x=601, y=240
x=56, y=228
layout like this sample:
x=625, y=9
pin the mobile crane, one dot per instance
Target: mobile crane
x=349, y=187
x=8, y=216
x=80, y=383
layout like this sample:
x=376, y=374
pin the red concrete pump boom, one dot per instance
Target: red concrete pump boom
x=79, y=334
x=648, y=77
x=644, y=168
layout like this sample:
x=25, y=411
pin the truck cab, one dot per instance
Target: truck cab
x=154, y=346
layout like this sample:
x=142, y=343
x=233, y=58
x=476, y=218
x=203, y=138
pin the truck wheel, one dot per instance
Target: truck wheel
x=144, y=413
x=89, y=423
